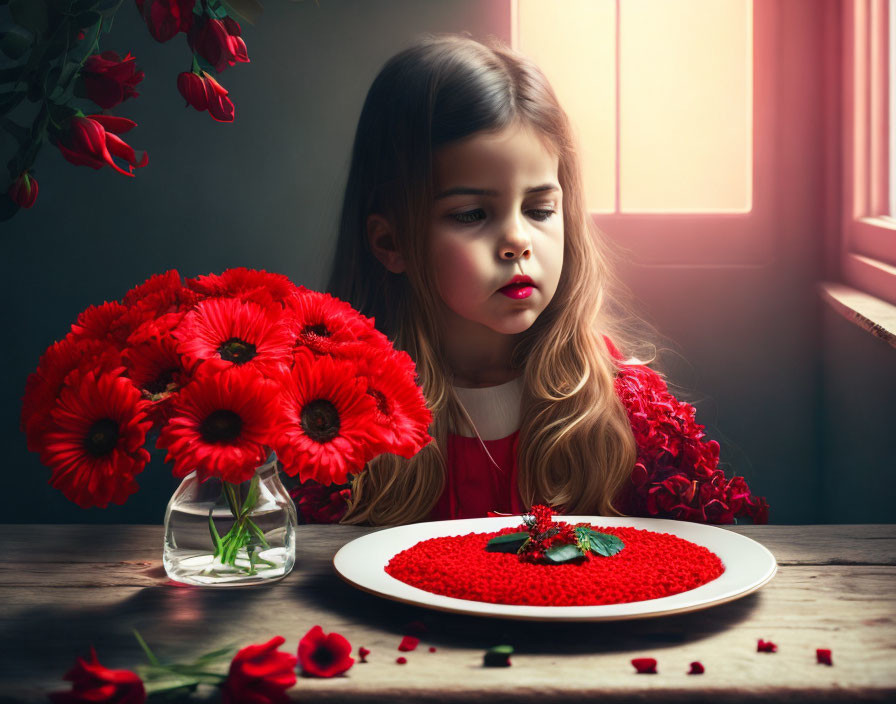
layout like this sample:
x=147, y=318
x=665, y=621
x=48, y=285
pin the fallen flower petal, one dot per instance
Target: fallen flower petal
x=645, y=666
x=766, y=646
x=260, y=673
x=432, y=648
x=408, y=643
x=363, y=653
x=823, y=656
x=696, y=668
x=324, y=654
x=402, y=660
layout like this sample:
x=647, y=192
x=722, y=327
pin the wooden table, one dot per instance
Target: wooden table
x=65, y=587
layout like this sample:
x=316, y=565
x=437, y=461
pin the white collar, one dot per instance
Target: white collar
x=495, y=410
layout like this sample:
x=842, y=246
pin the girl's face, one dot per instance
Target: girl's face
x=498, y=214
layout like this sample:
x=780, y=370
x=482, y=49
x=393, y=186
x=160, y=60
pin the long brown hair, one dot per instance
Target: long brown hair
x=576, y=447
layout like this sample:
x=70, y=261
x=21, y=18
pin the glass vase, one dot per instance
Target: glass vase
x=223, y=534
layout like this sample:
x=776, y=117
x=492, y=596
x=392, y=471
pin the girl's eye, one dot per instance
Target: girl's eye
x=541, y=214
x=468, y=217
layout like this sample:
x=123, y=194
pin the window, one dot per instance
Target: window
x=673, y=103
x=868, y=243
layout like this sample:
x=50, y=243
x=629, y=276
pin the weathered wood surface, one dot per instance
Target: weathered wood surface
x=63, y=588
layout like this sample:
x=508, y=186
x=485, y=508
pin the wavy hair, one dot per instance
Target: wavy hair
x=576, y=446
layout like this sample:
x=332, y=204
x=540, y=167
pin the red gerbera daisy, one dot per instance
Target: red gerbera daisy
x=161, y=294
x=107, y=322
x=254, y=285
x=401, y=416
x=220, y=423
x=329, y=326
x=96, y=448
x=43, y=386
x=235, y=333
x=155, y=366
x=325, y=434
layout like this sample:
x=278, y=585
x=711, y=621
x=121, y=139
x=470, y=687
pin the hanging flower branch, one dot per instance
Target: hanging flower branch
x=55, y=63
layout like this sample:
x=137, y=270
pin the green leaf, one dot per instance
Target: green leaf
x=511, y=542
x=604, y=543
x=258, y=533
x=30, y=14
x=246, y=10
x=15, y=44
x=563, y=553
x=251, y=497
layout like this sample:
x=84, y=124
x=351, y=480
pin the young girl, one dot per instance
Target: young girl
x=465, y=234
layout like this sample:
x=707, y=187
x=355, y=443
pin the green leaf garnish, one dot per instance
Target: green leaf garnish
x=510, y=542
x=563, y=553
x=604, y=543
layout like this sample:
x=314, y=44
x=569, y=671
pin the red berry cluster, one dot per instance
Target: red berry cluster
x=544, y=533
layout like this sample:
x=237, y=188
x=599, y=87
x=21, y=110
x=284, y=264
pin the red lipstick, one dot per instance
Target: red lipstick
x=518, y=287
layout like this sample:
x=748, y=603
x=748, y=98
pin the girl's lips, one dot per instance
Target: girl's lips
x=517, y=291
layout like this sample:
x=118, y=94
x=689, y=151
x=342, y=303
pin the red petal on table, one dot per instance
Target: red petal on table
x=401, y=660
x=408, y=643
x=696, y=668
x=766, y=646
x=823, y=656
x=432, y=648
x=645, y=666
x=363, y=653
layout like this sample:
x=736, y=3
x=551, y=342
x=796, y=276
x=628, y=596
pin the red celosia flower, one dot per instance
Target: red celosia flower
x=324, y=654
x=320, y=504
x=96, y=447
x=256, y=285
x=91, y=141
x=109, y=79
x=401, y=660
x=91, y=682
x=401, y=419
x=408, y=643
x=23, y=191
x=696, y=668
x=231, y=333
x=220, y=423
x=327, y=415
x=205, y=93
x=363, y=653
x=328, y=326
x=260, y=674
x=645, y=666
x=766, y=646
x=43, y=386
x=165, y=18
x=823, y=656
x=218, y=42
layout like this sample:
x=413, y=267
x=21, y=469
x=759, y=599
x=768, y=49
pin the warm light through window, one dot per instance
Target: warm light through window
x=680, y=136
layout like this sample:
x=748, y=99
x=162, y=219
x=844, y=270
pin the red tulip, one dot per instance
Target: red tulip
x=23, y=191
x=91, y=682
x=109, y=79
x=91, y=141
x=165, y=18
x=219, y=43
x=205, y=93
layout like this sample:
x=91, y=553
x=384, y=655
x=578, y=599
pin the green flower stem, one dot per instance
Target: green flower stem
x=149, y=654
x=243, y=531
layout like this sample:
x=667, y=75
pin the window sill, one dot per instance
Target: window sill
x=869, y=313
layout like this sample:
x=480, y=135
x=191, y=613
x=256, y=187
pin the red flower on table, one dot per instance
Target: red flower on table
x=220, y=424
x=260, y=674
x=256, y=285
x=218, y=42
x=233, y=333
x=109, y=79
x=327, y=414
x=389, y=375
x=324, y=654
x=204, y=93
x=328, y=326
x=23, y=191
x=95, y=448
x=93, y=683
x=92, y=141
x=166, y=18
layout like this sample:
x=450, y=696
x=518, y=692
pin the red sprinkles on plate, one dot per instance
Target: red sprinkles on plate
x=645, y=666
x=823, y=656
x=766, y=646
x=652, y=565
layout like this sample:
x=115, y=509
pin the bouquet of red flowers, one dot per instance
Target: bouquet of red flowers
x=225, y=368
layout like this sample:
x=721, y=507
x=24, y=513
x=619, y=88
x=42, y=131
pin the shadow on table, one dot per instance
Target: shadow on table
x=330, y=593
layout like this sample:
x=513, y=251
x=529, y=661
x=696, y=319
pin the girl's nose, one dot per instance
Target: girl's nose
x=516, y=253
x=515, y=244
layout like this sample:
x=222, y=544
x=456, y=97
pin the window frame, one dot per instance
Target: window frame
x=868, y=236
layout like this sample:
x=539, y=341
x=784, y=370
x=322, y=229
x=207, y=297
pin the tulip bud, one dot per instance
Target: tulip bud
x=23, y=191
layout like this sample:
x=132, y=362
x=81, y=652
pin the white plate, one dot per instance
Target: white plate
x=748, y=566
